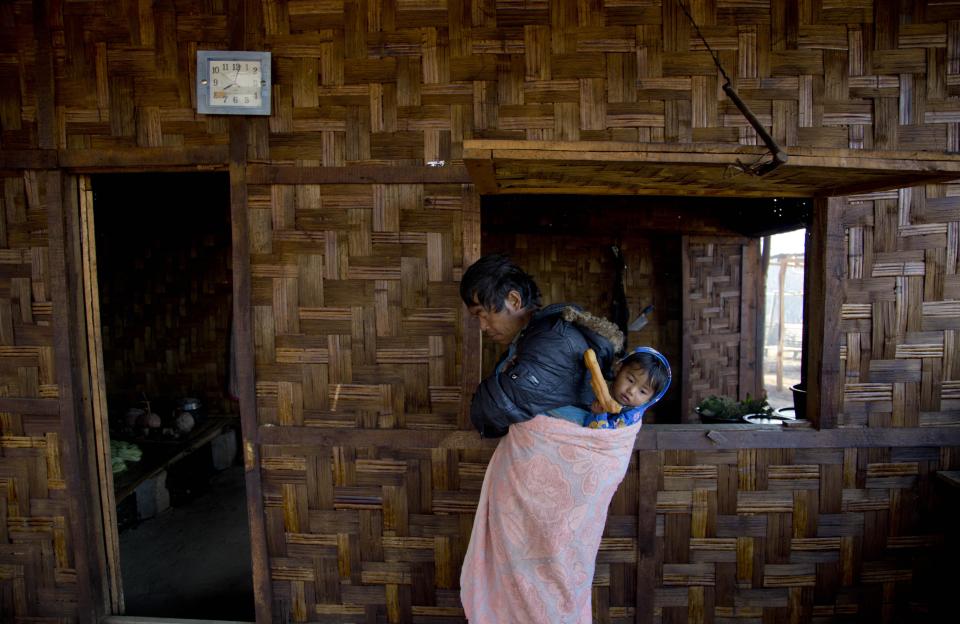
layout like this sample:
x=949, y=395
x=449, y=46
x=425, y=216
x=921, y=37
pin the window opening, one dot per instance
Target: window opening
x=783, y=322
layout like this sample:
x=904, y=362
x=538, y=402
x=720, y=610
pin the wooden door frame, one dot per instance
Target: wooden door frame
x=83, y=405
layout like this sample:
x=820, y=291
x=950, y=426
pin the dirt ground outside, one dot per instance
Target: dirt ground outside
x=780, y=397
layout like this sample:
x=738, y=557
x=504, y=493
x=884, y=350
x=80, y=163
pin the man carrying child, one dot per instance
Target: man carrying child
x=548, y=486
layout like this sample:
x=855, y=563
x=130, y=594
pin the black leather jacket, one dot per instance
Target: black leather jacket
x=546, y=370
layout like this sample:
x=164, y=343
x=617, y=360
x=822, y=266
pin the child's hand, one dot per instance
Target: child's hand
x=600, y=389
x=596, y=408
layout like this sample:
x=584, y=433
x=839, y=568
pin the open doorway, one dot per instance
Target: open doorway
x=160, y=280
x=783, y=322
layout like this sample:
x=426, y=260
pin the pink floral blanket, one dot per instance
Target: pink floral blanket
x=543, y=506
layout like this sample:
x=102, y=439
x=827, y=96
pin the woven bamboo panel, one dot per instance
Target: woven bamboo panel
x=408, y=81
x=18, y=63
x=799, y=534
x=568, y=253
x=356, y=308
x=37, y=569
x=714, y=288
x=360, y=534
x=165, y=288
x=363, y=534
x=900, y=317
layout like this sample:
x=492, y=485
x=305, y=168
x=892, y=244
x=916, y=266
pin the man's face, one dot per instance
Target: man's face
x=502, y=326
x=631, y=387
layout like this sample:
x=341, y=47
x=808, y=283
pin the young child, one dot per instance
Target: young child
x=641, y=378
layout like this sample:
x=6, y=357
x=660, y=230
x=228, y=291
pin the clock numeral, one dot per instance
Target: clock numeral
x=256, y=96
x=255, y=69
x=225, y=66
x=236, y=67
x=235, y=100
x=215, y=82
x=246, y=100
x=215, y=69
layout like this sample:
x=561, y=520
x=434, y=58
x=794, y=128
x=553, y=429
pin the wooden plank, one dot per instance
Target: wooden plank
x=45, y=407
x=650, y=437
x=481, y=172
x=237, y=12
x=751, y=374
x=246, y=378
x=28, y=159
x=825, y=261
x=101, y=427
x=645, y=169
x=706, y=152
x=686, y=410
x=648, y=466
x=43, y=76
x=472, y=350
x=146, y=158
x=357, y=174
x=75, y=410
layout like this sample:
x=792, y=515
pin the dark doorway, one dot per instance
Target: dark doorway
x=164, y=286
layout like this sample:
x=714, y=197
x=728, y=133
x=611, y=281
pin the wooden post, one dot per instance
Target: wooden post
x=824, y=268
x=781, y=291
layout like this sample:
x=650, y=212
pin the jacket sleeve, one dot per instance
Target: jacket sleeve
x=546, y=369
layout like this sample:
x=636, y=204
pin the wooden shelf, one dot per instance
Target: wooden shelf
x=158, y=455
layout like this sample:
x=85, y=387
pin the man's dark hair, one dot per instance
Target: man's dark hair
x=490, y=279
x=657, y=373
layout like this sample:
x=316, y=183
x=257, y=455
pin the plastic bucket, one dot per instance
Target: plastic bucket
x=799, y=400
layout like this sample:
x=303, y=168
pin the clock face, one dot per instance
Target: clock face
x=235, y=83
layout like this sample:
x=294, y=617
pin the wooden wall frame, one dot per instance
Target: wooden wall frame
x=78, y=351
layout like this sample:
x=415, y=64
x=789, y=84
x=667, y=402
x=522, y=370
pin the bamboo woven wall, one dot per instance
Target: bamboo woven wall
x=355, y=533
x=38, y=576
x=754, y=534
x=900, y=316
x=825, y=534
x=356, y=305
x=717, y=319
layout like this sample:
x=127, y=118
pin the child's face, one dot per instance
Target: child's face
x=632, y=387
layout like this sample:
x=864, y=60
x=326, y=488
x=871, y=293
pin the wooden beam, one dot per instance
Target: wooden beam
x=481, y=167
x=213, y=157
x=76, y=416
x=246, y=376
x=42, y=78
x=470, y=326
x=356, y=174
x=28, y=159
x=45, y=407
x=825, y=262
x=716, y=153
x=648, y=467
x=650, y=437
x=100, y=424
x=538, y=167
x=686, y=410
x=751, y=373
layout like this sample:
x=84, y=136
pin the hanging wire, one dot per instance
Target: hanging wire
x=779, y=156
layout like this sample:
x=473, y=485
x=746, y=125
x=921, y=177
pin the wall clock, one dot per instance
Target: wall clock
x=233, y=82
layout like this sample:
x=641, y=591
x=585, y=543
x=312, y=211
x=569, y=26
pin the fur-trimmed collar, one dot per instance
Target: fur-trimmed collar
x=596, y=324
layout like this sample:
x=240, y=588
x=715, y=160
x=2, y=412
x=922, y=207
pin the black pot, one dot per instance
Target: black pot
x=799, y=400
